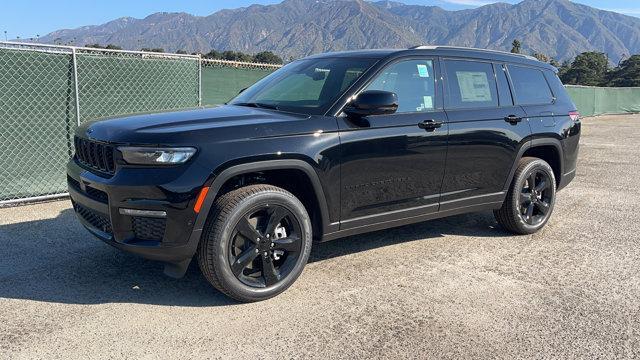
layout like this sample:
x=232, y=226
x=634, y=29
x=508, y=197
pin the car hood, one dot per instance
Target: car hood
x=170, y=127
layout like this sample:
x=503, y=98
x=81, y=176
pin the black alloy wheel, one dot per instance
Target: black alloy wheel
x=535, y=197
x=256, y=242
x=265, y=246
x=530, y=199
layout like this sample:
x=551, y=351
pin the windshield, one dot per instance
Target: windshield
x=308, y=86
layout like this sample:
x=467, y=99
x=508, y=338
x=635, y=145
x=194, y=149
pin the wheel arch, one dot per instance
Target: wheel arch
x=223, y=177
x=547, y=149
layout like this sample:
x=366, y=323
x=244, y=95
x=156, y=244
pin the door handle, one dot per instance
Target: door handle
x=430, y=125
x=512, y=119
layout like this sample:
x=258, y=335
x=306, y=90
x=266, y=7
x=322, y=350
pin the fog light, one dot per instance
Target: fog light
x=147, y=213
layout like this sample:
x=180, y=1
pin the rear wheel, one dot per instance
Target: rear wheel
x=530, y=199
x=256, y=243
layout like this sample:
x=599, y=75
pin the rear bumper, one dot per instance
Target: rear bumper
x=97, y=202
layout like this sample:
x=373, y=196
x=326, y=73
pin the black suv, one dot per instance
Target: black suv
x=325, y=147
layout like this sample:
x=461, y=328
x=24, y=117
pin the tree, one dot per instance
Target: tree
x=108, y=47
x=267, y=57
x=181, y=52
x=589, y=68
x=554, y=63
x=236, y=56
x=564, y=68
x=516, y=46
x=541, y=57
x=627, y=74
x=213, y=55
x=158, y=50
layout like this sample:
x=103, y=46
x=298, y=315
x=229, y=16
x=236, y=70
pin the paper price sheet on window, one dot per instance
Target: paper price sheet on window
x=474, y=86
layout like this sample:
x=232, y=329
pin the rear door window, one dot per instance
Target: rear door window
x=470, y=84
x=529, y=86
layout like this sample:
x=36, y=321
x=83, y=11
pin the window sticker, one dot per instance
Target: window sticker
x=423, y=71
x=427, y=102
x=474, y=86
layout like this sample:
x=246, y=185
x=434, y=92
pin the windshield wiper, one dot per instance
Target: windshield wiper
x=257, y=105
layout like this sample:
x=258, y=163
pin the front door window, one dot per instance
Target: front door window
x=414, y=83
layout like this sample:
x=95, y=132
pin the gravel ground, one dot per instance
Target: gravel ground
x=453, y=288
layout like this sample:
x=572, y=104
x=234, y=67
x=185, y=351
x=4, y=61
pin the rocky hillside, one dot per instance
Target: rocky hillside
x=293, y=28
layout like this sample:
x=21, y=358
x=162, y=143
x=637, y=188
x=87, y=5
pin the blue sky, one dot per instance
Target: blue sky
x=28, y=18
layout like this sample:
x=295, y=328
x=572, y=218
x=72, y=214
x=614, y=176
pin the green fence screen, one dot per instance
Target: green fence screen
x=592, y=101
x=37, y=115
x=124, y=83
x=38, y=105
x=220, y=84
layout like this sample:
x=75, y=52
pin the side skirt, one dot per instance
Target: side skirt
x=391, y=220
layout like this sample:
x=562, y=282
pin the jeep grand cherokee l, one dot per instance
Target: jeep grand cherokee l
x=325, y=147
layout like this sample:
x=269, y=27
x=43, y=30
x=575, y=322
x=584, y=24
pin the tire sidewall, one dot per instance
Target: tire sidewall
x=518, y=183
x=246, y=205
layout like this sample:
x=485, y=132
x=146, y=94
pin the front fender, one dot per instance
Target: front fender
x=222, y=176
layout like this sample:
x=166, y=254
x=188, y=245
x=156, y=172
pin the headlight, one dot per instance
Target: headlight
x=156, y=156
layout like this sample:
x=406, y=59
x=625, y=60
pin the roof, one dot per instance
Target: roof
x=444, y=51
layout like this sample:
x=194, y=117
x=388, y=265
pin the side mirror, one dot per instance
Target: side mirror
x=319, y=75
x=372, y=102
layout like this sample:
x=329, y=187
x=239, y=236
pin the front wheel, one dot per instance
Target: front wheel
x=530, y=199
x=256, y=242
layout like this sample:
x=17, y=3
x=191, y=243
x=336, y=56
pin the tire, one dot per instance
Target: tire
x=525, y=211
x=245, y=252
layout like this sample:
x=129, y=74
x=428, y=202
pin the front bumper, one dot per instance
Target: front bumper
x=98, y=200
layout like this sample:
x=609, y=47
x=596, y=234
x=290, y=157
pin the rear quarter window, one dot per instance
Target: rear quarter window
x=529, y=86
x=559, y=91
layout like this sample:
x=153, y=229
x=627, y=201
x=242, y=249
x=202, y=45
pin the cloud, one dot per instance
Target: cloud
x=470, y=2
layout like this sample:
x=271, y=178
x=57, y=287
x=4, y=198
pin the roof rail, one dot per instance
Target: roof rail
x=444, y=47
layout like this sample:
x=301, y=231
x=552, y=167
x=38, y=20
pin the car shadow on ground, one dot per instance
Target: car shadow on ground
x=56, y=260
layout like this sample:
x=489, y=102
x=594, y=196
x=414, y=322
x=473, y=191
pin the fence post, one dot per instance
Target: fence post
x=199, y=79
x=75, y=82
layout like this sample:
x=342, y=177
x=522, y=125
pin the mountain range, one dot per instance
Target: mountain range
x=294, y=28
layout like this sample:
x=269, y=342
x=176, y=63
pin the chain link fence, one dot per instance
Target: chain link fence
x=222, y=80
x=47, y=90
x=112, y=83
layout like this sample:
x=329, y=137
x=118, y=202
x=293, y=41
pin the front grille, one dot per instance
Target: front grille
x=98, y=195
x=93, y=193
x=98, y=220
x=146, y=228
x=95, y=155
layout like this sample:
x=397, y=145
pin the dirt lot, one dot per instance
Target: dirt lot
x=452, y=288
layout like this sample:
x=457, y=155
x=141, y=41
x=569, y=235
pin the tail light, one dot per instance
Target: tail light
x=574, y=115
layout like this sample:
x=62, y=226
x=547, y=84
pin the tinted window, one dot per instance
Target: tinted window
x=308, y=86
x=470, y=84
x=412, y=80
x=504, y=93
x=558, y=89
x=529, y=86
